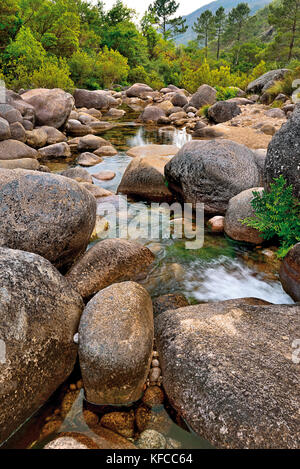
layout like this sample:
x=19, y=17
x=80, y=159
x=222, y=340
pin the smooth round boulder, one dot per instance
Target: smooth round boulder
x=23, y=163
x=46, y=214
x=88, y=159
x=283, y=155
x=290, y=273
x=91, y=143
x=216, y=224
x=211, y=172
x=52, y=107
x=115, y=344
x=53, y=135
x=17, y=132
x=228, y=370
x=15, y=150
x=179, y=100
x=239, y=208
x=57, y=150
x=98, y=99
x=4, y=129
x=36, y=138
x=203, y=96
x=223, y=111
x=265, y=81
x=39, y=316
x=107, y=262
x=138, y=90
x=106, y=150
x=152, y=114
x=78, y=174
x=76, y=129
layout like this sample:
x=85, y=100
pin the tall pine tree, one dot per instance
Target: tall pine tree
x=204, y=28
x=220, y=23
x=163, y=11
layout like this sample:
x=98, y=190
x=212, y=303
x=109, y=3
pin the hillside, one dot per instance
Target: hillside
x=213, y=6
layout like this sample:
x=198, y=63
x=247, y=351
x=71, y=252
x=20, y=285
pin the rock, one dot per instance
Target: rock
x=37, y=138
x=27, y=125
x=239, y=208
x=154, y=374
x=283, y=155
x=75, y=128
x=106, y=439
x=91, y=143
x=10, y=114
x=4, y=129
x=34, y=219
x=179, y=100
x=58, y=150
x=119, y=422
x=216, y=224
x=153, y=396
x=211, y=172
x=97, y=191
x=174, y=110
x=23, y=163
x=138, y=90
x=27, y=111
x=290, y=273
x=178, y=115
x=275, y=113
x=105, y=175
x=15, y=150
x=39, y=317
x=78, y=174
x=153, y=150
x=52, y=107
x=120, y=318
x=53, y=135
x=67, y=443
x=98, y=99
x=223, y=111
x=240, y=101
x=288, y=108
x=265, y=81
x=18, y=132
x=207, y=132
x=169, y=301
x=88, y=159
x=151, y=114
x=151, y=439
x=165, y=106
x=108, y=262
x=206, y=351
x=106, y=150
x=268, y=129
x=203, y=96
x=115, y=113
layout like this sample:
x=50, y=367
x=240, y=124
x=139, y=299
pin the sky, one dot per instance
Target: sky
x=186, y=6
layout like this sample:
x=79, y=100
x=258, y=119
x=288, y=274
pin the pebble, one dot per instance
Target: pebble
x=153, y=396
x=154, y=374
x=119, y=422
x=151, y=439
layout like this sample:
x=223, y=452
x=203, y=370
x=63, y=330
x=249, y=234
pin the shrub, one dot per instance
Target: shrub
x=204, y=110
x=53, y=74
x=137, y=75
x=277, y=213
x=226, y=93
x=111, y=67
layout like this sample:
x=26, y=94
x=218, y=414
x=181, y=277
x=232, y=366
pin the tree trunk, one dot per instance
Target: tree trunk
x=293, y=33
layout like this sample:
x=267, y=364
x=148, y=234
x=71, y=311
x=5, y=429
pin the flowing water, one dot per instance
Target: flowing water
x=220, y=270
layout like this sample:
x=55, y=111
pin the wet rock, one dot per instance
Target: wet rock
x=169, y=301
x=206, y=352
x=69, y=442
x=23, y=163
x=98, y=99
x=88, y=159
x=283, y=156
x=151, y=439
x=78, y=174
x=144, y=179
x=119, y=422
x=90, y=418
x=138, y=90
x=115, y=113
x=107, y=262
x=290, y=273
x=152, y=114
x=120, y=318
x=106, y=150
x=50, y=427
x=34, y=219
x=40, y=315
x=52, y=107
x=216, y=224
x=153, y=150
x=265, y=81
x=106, y=439
x=152, y=419
x=153, y=396
x=239, y=208
x=4, y=129
x=97, y=191
x=15, y=150
x=100, y=126
x=203, y=96
x=211, y=172
x=58, y=150
x=91, y=143
x=104, y=175
x=223, y=111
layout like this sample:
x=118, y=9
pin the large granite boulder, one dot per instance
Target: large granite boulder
x=52, y=107
x=152, y=114
x=203, y=96
x=15, y=100
x=283, y=155
x=239, y=208
x=46, y=214
x=227, y=368
x=211, y=172
x=108, y=262
x=223, y=111
x=290, y=272
x=265, y=81
x=40, y=314
x=144, y=179
x=138, y=90
x=115, y=344
x=4, y=129
x=98, y=99
x=15, y=150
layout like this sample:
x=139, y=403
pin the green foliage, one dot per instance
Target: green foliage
x=226, y=93
x=53, y=74
x=277, y=213
x=284, y=86
x=111, y=67
x=26, y=49
x=163, y=11
x=204, y=110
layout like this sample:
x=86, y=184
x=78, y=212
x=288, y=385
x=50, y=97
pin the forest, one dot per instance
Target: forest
x=74, y=43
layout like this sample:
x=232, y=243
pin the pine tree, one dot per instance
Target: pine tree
x=204, y=27
x=286, y=19
x=220, y=22
x=237, y=20
x=164, y=10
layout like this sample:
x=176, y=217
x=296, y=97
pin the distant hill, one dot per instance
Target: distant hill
x=213, y=6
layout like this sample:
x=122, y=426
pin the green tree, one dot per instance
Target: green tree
x=149, y=32
x=26, y=49
x=237, y=20
x=220, y=23
x=111, y=67
x=286, y=19
x=163, y=11
x=204, y=28
x=9, y=21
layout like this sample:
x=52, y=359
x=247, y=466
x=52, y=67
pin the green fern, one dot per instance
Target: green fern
x=277, y=213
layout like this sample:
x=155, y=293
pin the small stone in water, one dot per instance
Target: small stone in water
x=153, y=396
x=151, y=439
x=119, y=422
x=90, y=418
